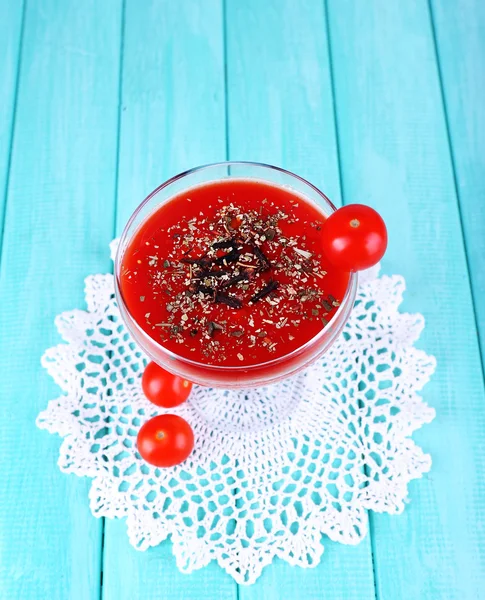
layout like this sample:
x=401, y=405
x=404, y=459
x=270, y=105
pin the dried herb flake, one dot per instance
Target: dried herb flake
x=271, y=286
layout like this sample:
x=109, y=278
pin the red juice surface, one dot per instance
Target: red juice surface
x=231, y=273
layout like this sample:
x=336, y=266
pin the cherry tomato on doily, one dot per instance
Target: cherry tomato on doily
x=162, y=388
x=165, y=440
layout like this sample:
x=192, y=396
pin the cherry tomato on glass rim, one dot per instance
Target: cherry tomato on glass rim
x=165, y=441
x=162, y=388
x=354, y=237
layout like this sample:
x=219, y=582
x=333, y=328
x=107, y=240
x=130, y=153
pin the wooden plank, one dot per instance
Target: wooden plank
x=59, y=220
x=395, y=155
x=280, y=111
x=460, y=37
x=153, y=574
x=11, y=21
x=173, y=95
x=172, y=119
x=280, y=107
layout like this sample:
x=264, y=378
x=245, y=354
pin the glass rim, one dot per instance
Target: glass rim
x=349, y=296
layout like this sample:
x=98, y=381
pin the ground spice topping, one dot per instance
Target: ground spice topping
x=231, y=278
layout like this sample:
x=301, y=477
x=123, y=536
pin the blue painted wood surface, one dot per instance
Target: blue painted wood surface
x=378, y=101
x=395, y=155
x=58, y=221
x=459, y=30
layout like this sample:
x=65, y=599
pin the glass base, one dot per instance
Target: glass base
x=249, y=410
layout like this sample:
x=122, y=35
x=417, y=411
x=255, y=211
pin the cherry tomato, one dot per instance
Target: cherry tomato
x=165, y=441
x=354, y=237
x=162, y=388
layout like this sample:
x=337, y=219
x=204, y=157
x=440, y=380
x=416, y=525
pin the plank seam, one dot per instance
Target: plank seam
x=115, y=217
x=342, y=194
x=12, y=127
x=120, y=110
x=334, y=103
x=455, y=183
x=226, y=77
x=101, y=558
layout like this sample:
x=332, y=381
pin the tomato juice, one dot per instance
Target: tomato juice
x=231, y=273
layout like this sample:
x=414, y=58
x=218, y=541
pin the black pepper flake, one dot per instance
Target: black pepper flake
x=205, y=289
x=261, y=256
x=271, y=286
x=212, y=326
x=237, y=333
x=230, y=243
x=232, y=256
x=219, y=273
x=244, y=276
x=228, y=300
x=326, y=305
x=194, y=332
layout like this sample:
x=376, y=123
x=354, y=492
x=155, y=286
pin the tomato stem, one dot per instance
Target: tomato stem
x=355, y=223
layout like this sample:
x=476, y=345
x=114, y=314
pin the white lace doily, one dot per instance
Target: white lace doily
x=274, y=468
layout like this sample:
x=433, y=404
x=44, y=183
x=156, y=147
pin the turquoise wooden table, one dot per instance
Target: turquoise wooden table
x=379, y=101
